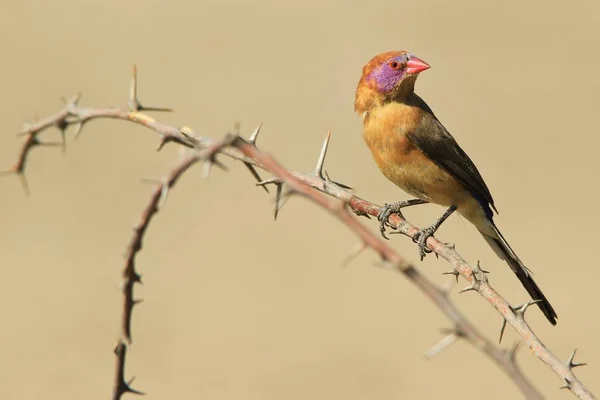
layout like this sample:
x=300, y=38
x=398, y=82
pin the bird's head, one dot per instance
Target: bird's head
x=388, y=71
x=390, y=75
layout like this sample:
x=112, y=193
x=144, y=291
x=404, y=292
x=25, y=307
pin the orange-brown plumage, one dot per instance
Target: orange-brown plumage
x=415, y=151
x=398, y=158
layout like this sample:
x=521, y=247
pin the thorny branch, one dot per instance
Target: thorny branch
x=308, y=185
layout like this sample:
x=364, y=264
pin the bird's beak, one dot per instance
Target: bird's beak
x=416, y=65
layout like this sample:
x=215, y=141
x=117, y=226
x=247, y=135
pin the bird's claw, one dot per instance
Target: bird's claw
x=420, y=239
x=384, y=214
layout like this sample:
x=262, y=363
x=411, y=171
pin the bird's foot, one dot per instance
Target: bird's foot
x=420, y=239
x=394, y=208
x=384, y=214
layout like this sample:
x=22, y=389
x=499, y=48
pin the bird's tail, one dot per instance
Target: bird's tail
x=504, y=251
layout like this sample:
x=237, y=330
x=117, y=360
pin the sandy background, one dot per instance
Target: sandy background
x=237, y=306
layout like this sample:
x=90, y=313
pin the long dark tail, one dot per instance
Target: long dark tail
x=504, y=251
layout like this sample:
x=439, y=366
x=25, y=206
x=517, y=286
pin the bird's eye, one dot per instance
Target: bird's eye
x=394, y=65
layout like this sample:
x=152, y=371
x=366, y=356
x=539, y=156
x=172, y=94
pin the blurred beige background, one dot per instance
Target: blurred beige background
x=237, y=306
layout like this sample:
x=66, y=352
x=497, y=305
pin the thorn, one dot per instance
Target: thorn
x=212, y=160
x=250, y=167
x=255, y=175
x=71, y=103
x=520, y=310
x=478, y=274
x=206, y=168
x=21, y=175
x=272, y=181
x=157, y=109
x=478, y=268
x=62, y=126
x=136, y=302
x=75, y=99
x=321, y=160
x=190, y=136
x=328, y=179
x=280, y=199
x=163, y=141
x=567, y=384
x=354, y=252
x=571, y=364
x=453, y=272
x=78, y=128
x=254, y=135
x=186, y=131
x=128, y=389
x=24, y=183
x=467, y=289
x=502, y=328
x=134, y=103
x=442, y=345
x=219, y=164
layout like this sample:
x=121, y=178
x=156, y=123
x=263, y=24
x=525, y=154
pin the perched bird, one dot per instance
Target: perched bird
x=415, y=151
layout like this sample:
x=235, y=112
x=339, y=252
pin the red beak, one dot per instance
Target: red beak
x=415, y=65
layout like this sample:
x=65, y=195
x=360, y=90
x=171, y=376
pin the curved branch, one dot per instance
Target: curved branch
x=309, y=185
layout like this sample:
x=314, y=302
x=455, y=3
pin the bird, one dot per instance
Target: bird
x=416, y=152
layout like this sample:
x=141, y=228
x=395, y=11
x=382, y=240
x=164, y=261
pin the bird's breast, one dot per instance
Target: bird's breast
x=385, y=133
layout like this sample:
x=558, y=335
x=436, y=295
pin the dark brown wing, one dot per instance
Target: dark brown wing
x=432, y=138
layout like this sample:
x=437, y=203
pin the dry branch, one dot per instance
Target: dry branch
x=308, y=185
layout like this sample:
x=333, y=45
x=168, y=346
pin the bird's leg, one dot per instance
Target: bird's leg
x=394, y=208
x=421, y=237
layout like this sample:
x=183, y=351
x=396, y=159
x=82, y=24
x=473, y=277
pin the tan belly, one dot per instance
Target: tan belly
x=409, y=169
x=421, y=178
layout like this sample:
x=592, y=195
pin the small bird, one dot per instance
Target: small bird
x=417, y=153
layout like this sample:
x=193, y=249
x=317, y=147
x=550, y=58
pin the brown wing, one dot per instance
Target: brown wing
x=432, y=138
